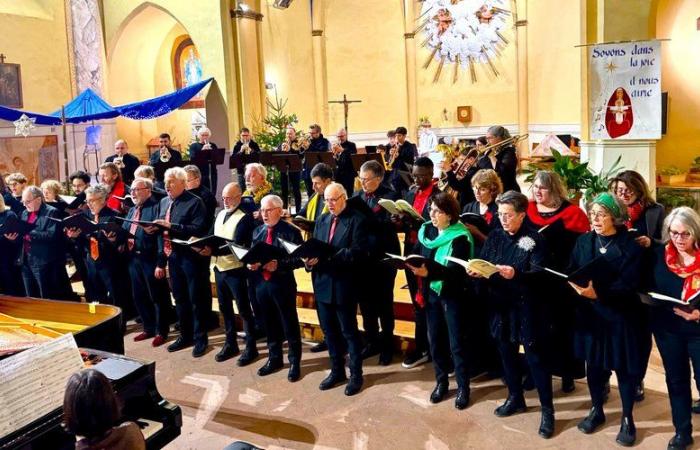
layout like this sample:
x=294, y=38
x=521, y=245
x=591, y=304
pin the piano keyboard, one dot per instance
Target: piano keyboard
x=149, y=427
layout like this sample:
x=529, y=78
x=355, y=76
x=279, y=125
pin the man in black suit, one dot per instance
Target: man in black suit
x=183, y=216
x=125, y=161
x=163, y=150
x=276, y=289
x=345, y=171
x=405, y=153
x=335, y=280
x=195, y=186
x=231, y=275
x=377, y=305
x=419, y=197
x=107, y=271
x=290, y=145
x=321, y=177
x=151, y=295
x=210, y=176
x=42, y=254
x=247, y=146
x=317, y=143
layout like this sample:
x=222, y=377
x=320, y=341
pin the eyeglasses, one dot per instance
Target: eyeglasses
x=537, y=187
x=506, y=216
x=623, y=191
x=680, y=235
x=139, y=189
x=26, y=202
x=598, y=215
x=367, y=179
x=232, y=198
x=333, y=200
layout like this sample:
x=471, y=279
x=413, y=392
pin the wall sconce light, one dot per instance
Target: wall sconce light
x=269, y=85
x=243, y=6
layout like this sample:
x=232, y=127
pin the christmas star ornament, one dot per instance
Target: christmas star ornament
x=24, y=125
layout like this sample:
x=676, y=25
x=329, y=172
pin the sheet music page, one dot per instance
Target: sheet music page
x=33, y=382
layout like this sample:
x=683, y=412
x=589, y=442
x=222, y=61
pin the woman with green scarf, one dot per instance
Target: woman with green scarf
x=441, y=291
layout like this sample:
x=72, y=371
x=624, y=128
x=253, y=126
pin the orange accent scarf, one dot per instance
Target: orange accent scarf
x=690, y=274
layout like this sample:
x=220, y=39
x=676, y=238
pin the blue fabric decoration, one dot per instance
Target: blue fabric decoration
x=11, y=115
x=87, y=106
x=159, y=106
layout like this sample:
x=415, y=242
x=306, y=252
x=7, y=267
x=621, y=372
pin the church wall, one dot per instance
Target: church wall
x=36, y=39
x=676, y=19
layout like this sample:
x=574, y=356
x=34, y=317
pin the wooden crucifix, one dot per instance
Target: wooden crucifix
x=345, y=103
x=2, y=58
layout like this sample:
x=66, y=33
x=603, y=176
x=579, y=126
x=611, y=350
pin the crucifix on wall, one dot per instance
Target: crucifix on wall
x=346, y=104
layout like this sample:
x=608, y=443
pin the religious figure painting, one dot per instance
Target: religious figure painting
x=187, y=69
x=619, y=117
x=10, y=85
x=34, y=156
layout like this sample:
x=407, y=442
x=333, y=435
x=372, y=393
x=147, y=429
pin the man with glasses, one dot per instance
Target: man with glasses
x=276, y=290
x=378, y=305
x=336, y=280
x=318, y=143
x=247, y=146
x=42, y=254
x=195, y=186
x=182, y=215
x=151, y=295
x=16, y=182
x=342, y=151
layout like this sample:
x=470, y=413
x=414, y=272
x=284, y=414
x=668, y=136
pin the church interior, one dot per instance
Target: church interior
x=609, y=83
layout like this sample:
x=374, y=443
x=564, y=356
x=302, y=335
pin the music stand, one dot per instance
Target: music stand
x=160, y=167
x=371, y=148
x=213, y=156
x=239, y=160
x=361, y=158
x=313, y=158
x=285, y=162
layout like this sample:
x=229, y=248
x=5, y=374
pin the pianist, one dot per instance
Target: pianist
x=91, y=411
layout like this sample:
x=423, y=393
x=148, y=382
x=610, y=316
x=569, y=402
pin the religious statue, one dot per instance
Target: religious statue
x=619, y=117
x=193, y=69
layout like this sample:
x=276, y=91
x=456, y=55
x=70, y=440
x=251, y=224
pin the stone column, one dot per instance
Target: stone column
x=318, y=41
x=411, y=70
x=523, y=99
x=249, y=73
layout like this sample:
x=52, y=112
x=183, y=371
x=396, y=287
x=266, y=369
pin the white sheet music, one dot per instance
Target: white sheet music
x=33, y=382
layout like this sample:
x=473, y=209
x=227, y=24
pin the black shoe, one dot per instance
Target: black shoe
x=415, y=359
x=332, y=380
x=547, y=423
x=320, y=347
x=271, y=366
x=200, y=348
x=639, y=393
x=228, y=351
x=462, y=399
x=249, y=355
x=696, y=407
x=595, y=418
x=628, y=433
x=512, y=405
x=439, y=392
x=567, y=385
x=369, y=351
x=385, y=357
x=354, y=385
x=680, y=442
x=294, y=372
x=179, y=344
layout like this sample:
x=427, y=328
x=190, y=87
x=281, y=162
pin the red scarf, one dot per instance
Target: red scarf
x=419, y=202
x=572, y=216
x=690, y=274
x=634, y=212
x=119, y=190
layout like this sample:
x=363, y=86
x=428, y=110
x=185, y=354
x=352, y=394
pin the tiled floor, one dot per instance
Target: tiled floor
x=222, y=403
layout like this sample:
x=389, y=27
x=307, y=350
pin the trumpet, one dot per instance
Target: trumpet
x=245, y=148
x=119, y=162
x=498, y=146
x=164, y=154
x=336, y=149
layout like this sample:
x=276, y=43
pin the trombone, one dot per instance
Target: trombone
x=498, y=146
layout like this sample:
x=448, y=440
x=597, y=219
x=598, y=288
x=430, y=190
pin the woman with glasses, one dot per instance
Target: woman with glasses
x=518, y=314
x=561, y=223
x=644, y=219
x=676, y=273
x=487, y=186
x=610, y=319
x=442, y=290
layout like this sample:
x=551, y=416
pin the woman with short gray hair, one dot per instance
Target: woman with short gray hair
x=503, y=158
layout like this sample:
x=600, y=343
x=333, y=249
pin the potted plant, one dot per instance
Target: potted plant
x=671, y=175
x=694, y=174
x=672, y=198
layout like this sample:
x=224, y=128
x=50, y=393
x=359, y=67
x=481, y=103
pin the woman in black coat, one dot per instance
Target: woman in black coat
x=676, y=273
x=442, y=288
x=610, y=319
x=518, y=312
x=486, y=186
x=10, y=271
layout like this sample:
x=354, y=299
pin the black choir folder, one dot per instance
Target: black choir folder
x=142, y=223
x=87, y=226
x=402, y=262
x=260, y=252
x=14, y=225
x=73, y=202
x=304, y=224
x=212, y=241
x=657, y=299
x=475, y=219
x=313, y=248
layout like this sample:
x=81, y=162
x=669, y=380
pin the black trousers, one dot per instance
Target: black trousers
x=278, y=300
x=513, y=373
x=421, y=331
x=77, y=254
x=306, y=176
x=189, y=276
x=447, y=337
x=233, y=285
x=11, y=279
x=676, y=350
x=48, y=281
x=151, y=296
x=339, y=325
x=597, y=377
x=293, y=178
x=377, y=307
x=112, y=285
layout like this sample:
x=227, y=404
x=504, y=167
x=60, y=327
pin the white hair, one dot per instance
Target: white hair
x=203, y=130
x=274, y=199
x=146, y=181
x=100, y=190
x=176, y=172
x=688, y=217
x=337, y=187
x=256, y=166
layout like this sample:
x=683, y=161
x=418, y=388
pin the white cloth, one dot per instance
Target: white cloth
x=427, y=142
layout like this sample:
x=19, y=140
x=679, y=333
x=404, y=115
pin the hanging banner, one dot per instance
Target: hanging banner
x=625, y=90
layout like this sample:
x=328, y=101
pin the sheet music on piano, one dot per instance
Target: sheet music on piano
x=33, y=382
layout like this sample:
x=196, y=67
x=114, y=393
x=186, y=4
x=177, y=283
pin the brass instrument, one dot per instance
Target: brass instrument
x=336, y=149
x=449, y=154
x=164, y=154
x=381, y=149
x=498, y=146
x=393, y=155
x=286, y=146
x=245, y=148
x=119, y=162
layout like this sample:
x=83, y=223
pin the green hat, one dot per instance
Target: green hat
x=607, y=200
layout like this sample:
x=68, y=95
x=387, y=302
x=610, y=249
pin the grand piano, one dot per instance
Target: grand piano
x=97, y=330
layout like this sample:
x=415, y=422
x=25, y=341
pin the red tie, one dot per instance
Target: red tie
x=268, y=240
x=133, y=228
x=332, y=232
x=94, y=244
x=167, y=243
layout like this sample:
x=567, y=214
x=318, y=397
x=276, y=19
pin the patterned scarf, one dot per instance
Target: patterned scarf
x=690, y=274
x=311, y=208
x=634, y=212
x=260, y=193
x=443, y=244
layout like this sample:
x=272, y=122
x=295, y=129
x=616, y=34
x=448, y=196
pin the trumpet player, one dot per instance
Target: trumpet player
x=459, y=173
x=125, y=161
x=317, y=143
x=502, y=158
x=164, y=155
x=247, y=146
x=401, y=157
x=290, y=145
x=205, y=164
x=344, y=170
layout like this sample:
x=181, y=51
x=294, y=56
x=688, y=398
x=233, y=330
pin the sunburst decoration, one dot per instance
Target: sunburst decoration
x=464, y=33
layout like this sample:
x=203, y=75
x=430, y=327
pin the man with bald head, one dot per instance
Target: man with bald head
x=335, y=280
x=232, y=276
x=127, y=162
